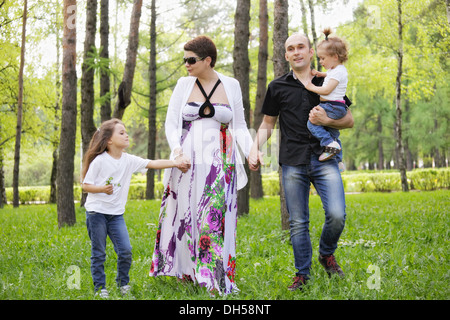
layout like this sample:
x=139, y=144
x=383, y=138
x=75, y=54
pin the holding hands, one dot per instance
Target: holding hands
x=255, y=159
x=182, y=162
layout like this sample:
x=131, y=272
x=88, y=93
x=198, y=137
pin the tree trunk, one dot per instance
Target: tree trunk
x=65, y=201
x=16, y=199
x=280, y=34
x=380, y=143
x=55, y=140
x=280, y=67
x=304, y=18
x=87, y=77
x=2, y=179
x=150, y=191
x=241, y=68
x=87, y=81
x=398, y=101
x=316, y=64
x=105, y=109
x=124, y=91
x=256, y=188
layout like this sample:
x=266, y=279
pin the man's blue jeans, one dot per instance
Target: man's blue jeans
x=326, y=178
x=99, y=227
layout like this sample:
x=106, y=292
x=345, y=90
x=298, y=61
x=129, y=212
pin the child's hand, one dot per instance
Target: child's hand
x=183, y=163
x=108, y=189
x=310, y=86
x=318, y=73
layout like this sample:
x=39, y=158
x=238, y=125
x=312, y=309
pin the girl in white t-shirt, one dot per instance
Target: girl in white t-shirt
x=332, y=53
x=106, y=174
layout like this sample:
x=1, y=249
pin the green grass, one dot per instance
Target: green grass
x=405, y=236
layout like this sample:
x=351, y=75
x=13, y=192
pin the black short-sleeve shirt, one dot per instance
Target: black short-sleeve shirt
x=287, y=98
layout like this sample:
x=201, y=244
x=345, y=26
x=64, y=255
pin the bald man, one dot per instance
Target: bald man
x=288, y=99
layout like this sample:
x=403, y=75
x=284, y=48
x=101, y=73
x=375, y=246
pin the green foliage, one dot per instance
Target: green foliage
x=354, y=181
x=404, y=235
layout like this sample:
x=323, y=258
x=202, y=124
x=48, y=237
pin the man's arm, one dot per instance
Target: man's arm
x=319, y=117
x=263, y=134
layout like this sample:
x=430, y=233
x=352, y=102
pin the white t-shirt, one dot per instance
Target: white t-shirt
x=340, y=74
x=103, y=170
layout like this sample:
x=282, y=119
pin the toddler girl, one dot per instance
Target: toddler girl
x=332, y=53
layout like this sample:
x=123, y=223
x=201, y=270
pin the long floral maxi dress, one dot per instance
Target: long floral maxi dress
x=196, y=236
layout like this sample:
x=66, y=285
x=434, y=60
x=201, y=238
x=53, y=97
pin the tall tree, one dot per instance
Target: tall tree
x=398, y=100
x=87, y=80
x=316, y=63
x=150, y=191
x=241, y=68
x=124, y=91
x=87, y=76
x=105, y=83
x=55, y=140
x=280, y=67
x=65, y=201
x=255, y=176
x=19, y=110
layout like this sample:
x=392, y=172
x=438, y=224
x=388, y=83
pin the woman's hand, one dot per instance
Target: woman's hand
x=255, y=159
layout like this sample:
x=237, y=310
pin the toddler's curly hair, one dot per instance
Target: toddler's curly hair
x=334, y=46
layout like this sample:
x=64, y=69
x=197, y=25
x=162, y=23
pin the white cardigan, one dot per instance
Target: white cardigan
x=238, y=127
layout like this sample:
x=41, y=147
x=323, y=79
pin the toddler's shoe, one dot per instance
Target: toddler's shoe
x=330, y=151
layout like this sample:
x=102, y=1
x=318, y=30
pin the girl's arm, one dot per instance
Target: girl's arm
x=181, y=162
x=324, y=90
x=90, y=188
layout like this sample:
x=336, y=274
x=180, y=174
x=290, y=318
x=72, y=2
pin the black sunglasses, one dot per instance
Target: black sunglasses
x=192, y=60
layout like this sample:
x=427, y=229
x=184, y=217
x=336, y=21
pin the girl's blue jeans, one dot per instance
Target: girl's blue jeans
x=326, y=179
x=327, y=135
x=100, y=226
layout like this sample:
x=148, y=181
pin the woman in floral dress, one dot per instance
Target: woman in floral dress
x=196, y=237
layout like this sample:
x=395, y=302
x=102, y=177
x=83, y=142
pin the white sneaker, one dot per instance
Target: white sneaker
x=103, y=293
x=125, y=289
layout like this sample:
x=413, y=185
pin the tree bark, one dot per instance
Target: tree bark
x=2, y=179
x=280, y=67
x=150, y=191
x=304, y=19
x=256, y=188
x=241, y=68
x=398, y=102
x=105, y=83
x=65, y=200
x=87, y=81
x=124, y=91
x=16, y=199
x=380, y=143
x=55, y=140
x=316, y=63
x=87, y=77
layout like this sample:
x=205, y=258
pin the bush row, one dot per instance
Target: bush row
x=418, y=179
x=376, y=181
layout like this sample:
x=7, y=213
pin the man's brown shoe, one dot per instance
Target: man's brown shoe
x=299, y=282
x=330, y=265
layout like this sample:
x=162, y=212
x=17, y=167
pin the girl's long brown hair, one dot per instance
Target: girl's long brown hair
x=99, y=143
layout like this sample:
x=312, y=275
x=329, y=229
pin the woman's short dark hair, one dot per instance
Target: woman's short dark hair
x=204, y=47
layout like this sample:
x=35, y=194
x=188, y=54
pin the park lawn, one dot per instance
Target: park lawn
x=394, y=246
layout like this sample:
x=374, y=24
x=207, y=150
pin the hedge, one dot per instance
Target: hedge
x=354, y=181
